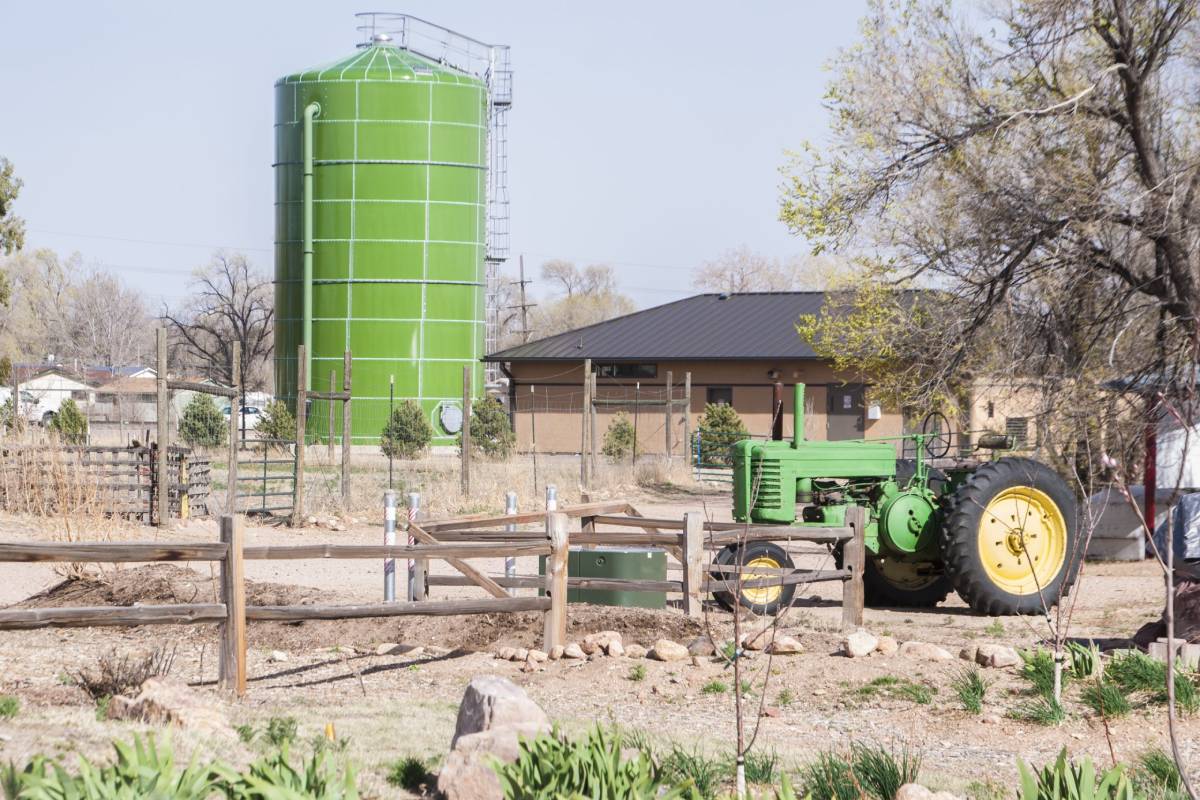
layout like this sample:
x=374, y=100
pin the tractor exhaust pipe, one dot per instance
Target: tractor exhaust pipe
x=777, y=412
x=797, y=416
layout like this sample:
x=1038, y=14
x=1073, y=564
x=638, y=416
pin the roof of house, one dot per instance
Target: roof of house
x=751, y=325
x=129, y=386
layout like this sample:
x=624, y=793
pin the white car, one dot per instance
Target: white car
x=247, y=415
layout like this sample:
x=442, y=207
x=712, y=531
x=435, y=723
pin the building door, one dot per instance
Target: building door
x=844, y=419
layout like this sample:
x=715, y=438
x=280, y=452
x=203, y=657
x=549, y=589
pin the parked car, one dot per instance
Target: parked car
x=31, y=410
x=248, y=416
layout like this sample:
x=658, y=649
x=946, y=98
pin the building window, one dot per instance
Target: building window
x=719, y=395
x=627, y=370
x=1018, y=429
x=991, y=409
x=79, y=394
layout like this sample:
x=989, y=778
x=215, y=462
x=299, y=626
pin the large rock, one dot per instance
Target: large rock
x=996, y=655
x=615, y=648
x=756, y=640
x=785, y=646
x=599, y=642
x=573, y=650
x=915, y=791
x=702, y=646
x=163, y=702
x=666, y=650
x=859, y=644
x=493, y=718
x=924, y=651
x=635, y=651
x=887, y=646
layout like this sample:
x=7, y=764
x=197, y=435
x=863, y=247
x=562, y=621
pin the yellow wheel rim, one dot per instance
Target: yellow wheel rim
x=763, y=595
x=1022, y=540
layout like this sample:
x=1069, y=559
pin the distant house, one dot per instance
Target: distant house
x=127, y=400
x=49, y=387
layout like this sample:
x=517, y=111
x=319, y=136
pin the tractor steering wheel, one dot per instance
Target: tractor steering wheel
x=936, y=428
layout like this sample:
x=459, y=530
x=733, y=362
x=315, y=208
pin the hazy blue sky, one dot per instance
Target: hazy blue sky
x=643, y=135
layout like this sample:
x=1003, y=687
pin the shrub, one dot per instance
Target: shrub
x=276, y=422
x=408, y=773
x=869, y=771
x=1105, y=699
x=970, y=687
x=70, y=423
x=407, y=433
x=637, y=672
x=281, y=730
x=1079, y=781
x=115, y=674
x=9, y=706
x=202, y=424
x=618, y=439
x=720, y=427
x=491, y=429
x=714, y=687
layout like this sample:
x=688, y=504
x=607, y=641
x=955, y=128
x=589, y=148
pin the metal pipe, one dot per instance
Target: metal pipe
x=551, y=497
x=311, y=111
x=798, y=416
x=777, y=411
x=510, y=562
x=389, y=539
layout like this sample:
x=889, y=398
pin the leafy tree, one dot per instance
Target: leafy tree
x=407, y=433
x=277, y=422
x=491, y=430
x=720, y=427
x=618, y=439
x=70, y=423
x=12, y=228
x=202, y=424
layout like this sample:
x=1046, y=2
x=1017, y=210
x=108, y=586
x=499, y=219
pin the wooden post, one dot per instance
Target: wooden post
x=556, y=581
x=584, y=448
x=235, y=402
x=693, y=563
x=347, y=430
x=466, y=432
x=301, y=400
x=777, y=411
x=332, y=422
x=232, y=674
x=164, y=433
x=854, y=555
x=687, y=417
x=592, y=430
x=421, y=579
x=669, y=409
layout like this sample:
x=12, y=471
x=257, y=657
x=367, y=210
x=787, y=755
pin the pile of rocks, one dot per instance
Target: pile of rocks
x=863, y=643
x=611, y=644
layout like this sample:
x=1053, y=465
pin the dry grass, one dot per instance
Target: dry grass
x=121, y=674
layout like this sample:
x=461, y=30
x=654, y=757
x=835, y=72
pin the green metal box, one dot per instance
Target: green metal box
x=626, y=563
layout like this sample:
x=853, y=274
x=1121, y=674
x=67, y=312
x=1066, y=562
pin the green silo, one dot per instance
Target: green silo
x=399, y=220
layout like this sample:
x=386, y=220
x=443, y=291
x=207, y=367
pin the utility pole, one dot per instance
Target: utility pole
x=524, y=305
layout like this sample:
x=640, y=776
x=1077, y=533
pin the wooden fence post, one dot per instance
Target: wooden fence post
x=854, y=556
x=687, y=417
x=584, y=444
x=332, y=422
x=162, y=499
x=301, y=402
x=232, y=675
x=669, y=417
x=592, y=427
x=235, y=402
x=466, y=433
x=556, y=581
x=346, y=432
x=693, y=563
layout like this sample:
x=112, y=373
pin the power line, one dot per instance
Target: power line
x=148, y=241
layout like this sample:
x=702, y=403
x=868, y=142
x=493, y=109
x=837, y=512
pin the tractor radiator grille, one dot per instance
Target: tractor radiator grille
x=764, y=484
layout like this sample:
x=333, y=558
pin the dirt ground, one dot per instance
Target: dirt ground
x=388, y=706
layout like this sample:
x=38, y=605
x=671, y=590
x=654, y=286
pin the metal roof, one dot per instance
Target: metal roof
x=751, y=325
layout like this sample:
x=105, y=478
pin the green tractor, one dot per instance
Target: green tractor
x=1000, y=531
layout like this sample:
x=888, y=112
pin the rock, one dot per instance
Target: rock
x=818, y=692
x=785, y=646
x=990, y=719
x=913, y=791
x=278, y=656
x=506, y=653
x=615, y=648
x=996, y=656
x=537, y=656
x=387, y=649
x=494, y=702
x=924, y=651
x=697, y=661
x=887, y=646
x=411, y=652
x=163, y=702
x=530, y=666
x=772, y=711
x=520, y=654
x=666, y=650
x=599, y=642
x=467, y=773
x=635, y=651
x=556, y=652
x=437, y=651
x=573, y=650
x=859, y=644
x=702, y=646
x=756, y=640
x=969, y=652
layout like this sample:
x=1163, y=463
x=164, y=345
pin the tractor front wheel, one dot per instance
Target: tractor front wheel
x=762, y=600
x=1009, y=540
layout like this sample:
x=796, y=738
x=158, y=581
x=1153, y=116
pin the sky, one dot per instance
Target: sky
x=647, y=136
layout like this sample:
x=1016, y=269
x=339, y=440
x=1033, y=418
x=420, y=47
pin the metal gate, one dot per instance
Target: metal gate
x=266, y=476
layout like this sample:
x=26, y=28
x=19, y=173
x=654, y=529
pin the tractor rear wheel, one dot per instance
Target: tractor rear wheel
x=1009, y=541
x=764, y=600
x=899, y=584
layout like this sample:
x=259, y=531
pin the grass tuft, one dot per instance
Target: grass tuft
x=705, y=774
x=761, y=767
x=1106, y=699
x=1038, y=669
x=891, y=686
x=281, y=730
x=970, y=687
x=1136, y=672
x=870, y=771
x=1040, y=710
x=637, y=672
x=408, y=773
x=714, y=687
x=785, y=698
x=1156, y=776
x=10, y=706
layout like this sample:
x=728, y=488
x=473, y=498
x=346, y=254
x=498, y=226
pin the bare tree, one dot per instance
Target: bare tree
x=109, y=323
x=231, y=302
x=589, y=296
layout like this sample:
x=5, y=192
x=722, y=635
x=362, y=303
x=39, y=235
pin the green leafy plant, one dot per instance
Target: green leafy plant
x=281, y=730
x=691, y=768
x=1037, y=667
x=995, y=627
x=714, y=687
x=891, y=686
x=1069, y=780
x=246, y=733
x=719, y=428
x=760, y=766
x=276, y=422
x=1105, y=699
x=408, y=773
x=491, y=430
x=9, y=706
x=637, y=672
x=1040, y=710
x=69, y=423
x=407, y=433
x=870, y=770
x=1084, y=660
x=201, y=424
x=274, y=777
x=618, y=439
x=785, y=698
x=970, y=687
x=1156, y=776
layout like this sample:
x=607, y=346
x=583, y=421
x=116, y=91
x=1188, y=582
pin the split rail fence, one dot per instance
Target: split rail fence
x=454, y=541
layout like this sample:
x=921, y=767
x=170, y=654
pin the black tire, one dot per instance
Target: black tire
x=879, y=592
x=733, y=555
x=906, y=469
x=961, y=538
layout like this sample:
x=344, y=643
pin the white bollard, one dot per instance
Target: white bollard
x=551, y=497
x=389, y=539
x=510, y=562
x=414, y=509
